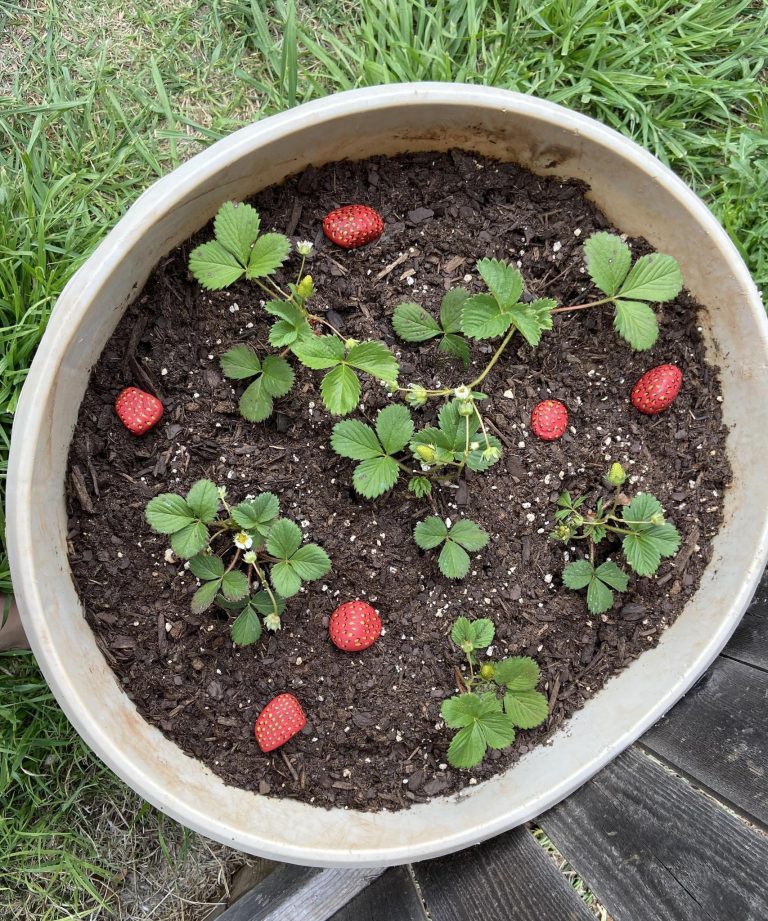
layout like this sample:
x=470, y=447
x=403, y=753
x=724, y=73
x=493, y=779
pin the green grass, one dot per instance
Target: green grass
x=98, y=98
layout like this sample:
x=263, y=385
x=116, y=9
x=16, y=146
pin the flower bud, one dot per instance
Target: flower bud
x=416, y=396
x=491, y=453
x=616, y=476
x=426, y=453
x=304, y=248
x=657, y=519
x=272, y=622
x=467, y=408
x=249, y=557
x=305, y=288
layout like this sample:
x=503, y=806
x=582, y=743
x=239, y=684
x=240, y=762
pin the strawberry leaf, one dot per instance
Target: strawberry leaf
x=503, y=280
x=608, y=261
x=375, y=359
x=519, y=673
x=468, y=747
x=203, y=501
x=285, y=579
x=483, y=318
x=269, y=252
x=531, y=320
x=430, y=533
x=578, y=574
x=375, y=476
x=469, y=535
x=453, y=561
x=526, y=709
x=190, y=540
x=278, y=376
x=457, y=346
x=394, y=426
x=257, y=514
x=236, y=228
x=481, y=723
x=599, y=596
x=340, y=390
x=655, y=277
x=204, y=596
x=355, y=440
x=168, y=513
x=310, y=562
x=240, y=362
x=284, y=539
x=482, y=632
x=610, y=573
x=451, y=309
x=234, y=585
x=206, y=568
x=256, y=404
x=412, y=323
x=246, y=629
x=214, y=266
x=319, y=352
x=636, y=322
x=420, y=486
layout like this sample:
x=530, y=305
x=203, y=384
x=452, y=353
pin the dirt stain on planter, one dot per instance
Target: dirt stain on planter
x=374, y=737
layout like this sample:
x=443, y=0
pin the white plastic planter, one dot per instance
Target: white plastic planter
x=641, y=197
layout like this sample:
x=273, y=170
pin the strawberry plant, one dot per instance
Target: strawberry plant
x=646, y=538
x=456, y=540
x=247, y=559
x=495, y=698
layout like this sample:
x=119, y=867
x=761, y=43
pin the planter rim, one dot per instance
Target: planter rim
x=157, y=201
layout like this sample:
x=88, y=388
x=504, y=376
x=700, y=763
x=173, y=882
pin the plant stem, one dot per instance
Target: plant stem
x=605, y=300
x=313, y=318
x=235, y=561
x=497, y=355
x=265, y=586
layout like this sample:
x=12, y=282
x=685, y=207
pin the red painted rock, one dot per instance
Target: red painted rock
x=549, y=420
x=354, y=626
x=353, y=226
x=138, y=410
x=657, y=389
x=278, y=722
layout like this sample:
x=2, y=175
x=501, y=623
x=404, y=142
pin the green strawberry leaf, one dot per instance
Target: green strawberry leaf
x=257, y=514
x=240, y=362
x=430, y=533
x=168, y=513
x=263, y=603
x=190, y=540
x=256, y=404
x=269, y=252
x=412, y=323
x=453, y=561
x=467, y=747
x=355, y=440
x=503, y=280
x=451, y=309
x=482, y=632
x=246, y=629
x=578, y=574
x=375, y=359
x=457, y=346
x=463, y=637
x=526, y=708
x=340, y=390
x=599, y=596
x=394, y=426
x=310, y=562
x=234, y=585
x=608, y=261
x=214, y=266
x=284, y=539
x=319, y=352
x=375, y=476
x=531, y=320
x=285, y=579
x=469, y=535
x=655, y=277
x=520, y=673
x=420, y=486
x=636, y=322
x=236, y=228
x=277, y=376
x=203, y=501
x=482, y=318
x=204, y=596
x=610, y=573
x=206, y=568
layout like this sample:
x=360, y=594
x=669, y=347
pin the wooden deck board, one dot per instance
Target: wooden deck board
x=651, y=848
x=509, y=878
x=717, y=736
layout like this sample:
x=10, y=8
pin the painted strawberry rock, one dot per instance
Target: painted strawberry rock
x=138, y=410
x=278, y=722
x=657, y=389
x=354, y=626
x=353, y=226
x=549, y=420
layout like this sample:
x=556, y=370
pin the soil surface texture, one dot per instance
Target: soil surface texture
x=374, y=738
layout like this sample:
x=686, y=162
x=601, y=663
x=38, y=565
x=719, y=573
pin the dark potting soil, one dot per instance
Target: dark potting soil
x=374, y=738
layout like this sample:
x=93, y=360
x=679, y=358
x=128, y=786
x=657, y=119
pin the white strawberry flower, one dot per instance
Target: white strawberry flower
x=304, y=247
x=462, y=393
x=242, y=540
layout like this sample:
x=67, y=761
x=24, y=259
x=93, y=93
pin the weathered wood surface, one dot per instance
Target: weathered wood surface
x=749, y=643
x=718, y=735
x=651, y=848
x=509, y=878
x=300, y=894
x=392, y=897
